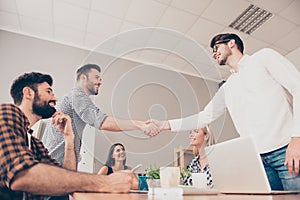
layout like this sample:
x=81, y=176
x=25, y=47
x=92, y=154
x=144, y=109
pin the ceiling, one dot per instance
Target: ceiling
x=172, y=34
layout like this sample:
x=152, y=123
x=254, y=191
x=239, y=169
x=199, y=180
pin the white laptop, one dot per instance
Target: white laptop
x=236, y=167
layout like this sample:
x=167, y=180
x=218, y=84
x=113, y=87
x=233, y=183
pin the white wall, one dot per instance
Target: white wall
x=19, y=54
x=294, y=57
x=129, y=90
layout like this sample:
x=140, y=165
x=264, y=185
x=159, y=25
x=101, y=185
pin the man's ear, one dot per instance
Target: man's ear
x=28, y=93
x=231, y=43
x=83, y=77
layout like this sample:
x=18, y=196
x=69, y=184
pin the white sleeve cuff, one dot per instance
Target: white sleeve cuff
x=185, y=124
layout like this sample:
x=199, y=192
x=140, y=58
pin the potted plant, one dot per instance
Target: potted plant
x=153, y=178
x=186, y=172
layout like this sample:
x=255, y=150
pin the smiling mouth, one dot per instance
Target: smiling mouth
x=97, y=87
x=52, y=104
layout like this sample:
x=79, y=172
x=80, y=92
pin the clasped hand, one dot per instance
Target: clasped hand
x=153, y=127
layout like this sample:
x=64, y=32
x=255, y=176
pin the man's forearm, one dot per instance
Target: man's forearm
x=63, y=123
x=114, y=124
x=51, y=180
x=70, y=160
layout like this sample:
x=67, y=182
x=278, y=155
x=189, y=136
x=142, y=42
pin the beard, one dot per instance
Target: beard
x=225, y=56
x=223, y=61
x=92, y=90
x=44, y=110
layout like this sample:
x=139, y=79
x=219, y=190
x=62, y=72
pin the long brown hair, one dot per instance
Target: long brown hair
x=110, y=160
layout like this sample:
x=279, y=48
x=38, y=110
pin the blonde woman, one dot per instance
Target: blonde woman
x=199, y=139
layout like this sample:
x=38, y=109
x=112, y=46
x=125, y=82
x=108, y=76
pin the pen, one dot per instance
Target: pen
x=136, y=167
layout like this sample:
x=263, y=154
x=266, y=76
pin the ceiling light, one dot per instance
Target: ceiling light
x=252, y=18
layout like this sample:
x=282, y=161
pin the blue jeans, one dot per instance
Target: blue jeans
x=277, y=172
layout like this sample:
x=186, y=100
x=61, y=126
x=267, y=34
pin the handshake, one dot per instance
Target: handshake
x=152, y=127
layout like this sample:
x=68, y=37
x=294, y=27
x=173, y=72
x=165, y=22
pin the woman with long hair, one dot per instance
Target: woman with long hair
x=116, y=161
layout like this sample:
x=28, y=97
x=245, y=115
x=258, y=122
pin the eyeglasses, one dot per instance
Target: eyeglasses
x=215, y=48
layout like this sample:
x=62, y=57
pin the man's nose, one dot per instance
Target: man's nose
x=214, y=54
x=54, y=99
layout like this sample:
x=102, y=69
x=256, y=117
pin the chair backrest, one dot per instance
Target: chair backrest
x=39, y=130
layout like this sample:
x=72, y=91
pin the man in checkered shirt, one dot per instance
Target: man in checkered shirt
x=27, y=170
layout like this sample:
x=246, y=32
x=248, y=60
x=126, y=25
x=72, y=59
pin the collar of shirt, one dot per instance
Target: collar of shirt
x=26, y=122
x=240, y=63
x=79, y=89
x=243, y=61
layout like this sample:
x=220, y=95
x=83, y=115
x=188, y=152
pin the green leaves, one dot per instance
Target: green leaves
x=153, y=172
x=186, y=172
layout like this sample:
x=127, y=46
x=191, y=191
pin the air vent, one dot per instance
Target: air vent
x=252, y=18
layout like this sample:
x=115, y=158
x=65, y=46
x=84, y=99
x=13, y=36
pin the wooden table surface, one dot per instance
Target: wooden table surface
x=135, y=196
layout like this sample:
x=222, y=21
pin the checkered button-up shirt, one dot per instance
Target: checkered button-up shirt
x=15, y=154
x=195, y=167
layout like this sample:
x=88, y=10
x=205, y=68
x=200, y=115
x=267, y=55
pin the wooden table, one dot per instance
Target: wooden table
x=134, y=196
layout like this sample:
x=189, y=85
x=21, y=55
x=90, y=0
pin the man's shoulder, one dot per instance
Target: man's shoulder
x=13, y=114
x=263, y=52
x=74, y=93
x=9, y=107
x=73, y=96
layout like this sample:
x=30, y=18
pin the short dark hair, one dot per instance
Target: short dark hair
x=31, y=80
x=85, y=69
x=111, y=161
x=227, y=37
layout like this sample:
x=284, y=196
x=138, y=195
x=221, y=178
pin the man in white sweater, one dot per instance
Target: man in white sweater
x=256, y=96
